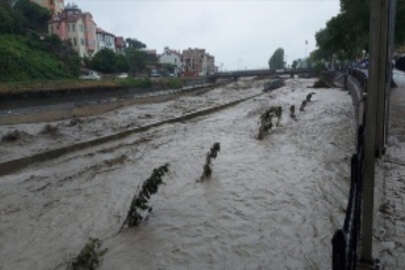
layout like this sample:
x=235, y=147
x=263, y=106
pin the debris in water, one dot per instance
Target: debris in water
x=11, y=136
x=212, y=154
x=89, y=257
x=74, y=122
x=49, y=130
x=266, y=120
x=139, y=203
x=303, y=104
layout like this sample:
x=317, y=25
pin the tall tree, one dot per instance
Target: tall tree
x=137, y=60
x=135, y=44
x=276, y=61
x=347, y=34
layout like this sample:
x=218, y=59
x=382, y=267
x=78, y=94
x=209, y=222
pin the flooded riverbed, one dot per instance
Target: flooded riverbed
x=270, y=204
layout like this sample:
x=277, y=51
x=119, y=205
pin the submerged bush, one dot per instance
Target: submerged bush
x=89, y=257
x=292, y=112
x=139, y=204
x=303, y=104
x=266, y=120
x=50, y=130
x=212, y=154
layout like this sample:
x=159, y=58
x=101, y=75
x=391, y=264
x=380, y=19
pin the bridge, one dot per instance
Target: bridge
x=261, y=72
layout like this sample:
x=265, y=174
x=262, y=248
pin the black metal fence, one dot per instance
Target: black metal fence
x=345, y=240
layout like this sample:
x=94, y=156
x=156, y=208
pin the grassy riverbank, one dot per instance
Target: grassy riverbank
x=36, y=86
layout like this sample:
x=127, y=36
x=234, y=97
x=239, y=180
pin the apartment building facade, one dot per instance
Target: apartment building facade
x=193, y=62
x=77, y=27
x=105, y=40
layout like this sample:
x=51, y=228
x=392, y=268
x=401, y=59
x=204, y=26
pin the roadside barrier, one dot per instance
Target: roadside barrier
x=345, y=240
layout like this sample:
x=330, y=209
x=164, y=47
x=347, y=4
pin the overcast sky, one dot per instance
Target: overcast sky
x=239, y=33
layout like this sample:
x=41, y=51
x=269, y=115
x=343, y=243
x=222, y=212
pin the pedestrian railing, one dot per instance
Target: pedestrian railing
x=345, y=240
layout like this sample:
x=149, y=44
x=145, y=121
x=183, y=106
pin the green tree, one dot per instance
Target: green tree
x=121, y=63
x=107, y=61
x=10, y=21
x=347, y=34
x=34, y=17
x=104, y=61
x=295, y=63
x=137, y=60
x=276, y=61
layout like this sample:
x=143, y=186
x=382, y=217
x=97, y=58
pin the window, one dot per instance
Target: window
x=82, y=41
x=73, y=27
x=82, y=28
x=75, y=41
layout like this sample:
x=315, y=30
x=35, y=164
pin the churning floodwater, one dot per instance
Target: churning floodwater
x=270, y=204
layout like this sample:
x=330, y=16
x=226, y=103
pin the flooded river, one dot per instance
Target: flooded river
x=270, y=204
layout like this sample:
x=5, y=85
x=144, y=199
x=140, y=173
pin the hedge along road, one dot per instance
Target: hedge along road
x=270, y=204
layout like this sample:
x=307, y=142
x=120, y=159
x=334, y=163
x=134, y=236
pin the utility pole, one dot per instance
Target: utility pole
x=375, y=116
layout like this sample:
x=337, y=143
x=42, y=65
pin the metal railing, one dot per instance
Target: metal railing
x=345, y=240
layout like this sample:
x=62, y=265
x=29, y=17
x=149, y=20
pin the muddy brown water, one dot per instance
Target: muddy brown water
x=271, y=204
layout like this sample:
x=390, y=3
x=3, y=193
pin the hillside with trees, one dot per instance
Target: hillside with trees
x=26, y=51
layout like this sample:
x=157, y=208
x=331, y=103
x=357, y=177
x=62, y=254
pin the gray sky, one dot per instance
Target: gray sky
x=239, y=33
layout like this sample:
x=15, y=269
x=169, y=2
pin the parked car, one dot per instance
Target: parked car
x=154, y=73
x=90, y=75
x=122, y=76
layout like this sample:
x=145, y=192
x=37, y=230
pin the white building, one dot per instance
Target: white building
x=105, y=40
x=172, y=57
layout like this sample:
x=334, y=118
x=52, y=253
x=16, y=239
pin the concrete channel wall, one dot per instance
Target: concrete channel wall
x=79, y=108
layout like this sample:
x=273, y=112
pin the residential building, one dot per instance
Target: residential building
x=55, y=6
x=77, y=27
x=120, y=45
x=105, y=40
x=193, y=62
x=197, y=62
x=208, y=66
x=90, y=33
x=172, y=57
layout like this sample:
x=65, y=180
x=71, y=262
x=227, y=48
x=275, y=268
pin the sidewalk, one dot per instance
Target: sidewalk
x=390, y=225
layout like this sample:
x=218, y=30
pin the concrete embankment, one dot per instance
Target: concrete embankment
x=60, y=105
